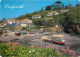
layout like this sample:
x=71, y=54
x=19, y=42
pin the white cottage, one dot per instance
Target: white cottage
x=36, y=16
x=52, y=13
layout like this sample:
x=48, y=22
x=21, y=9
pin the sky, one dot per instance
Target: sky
x=11, y=9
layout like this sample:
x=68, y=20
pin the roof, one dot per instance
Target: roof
x=52, y=12
x=24, y=21
x=36, y=15
x=63, y=11
x=14, y=24
x=48, y=18
x=13, y=20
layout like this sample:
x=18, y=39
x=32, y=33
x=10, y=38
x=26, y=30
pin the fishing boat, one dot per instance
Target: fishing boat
x=24, y=32
x=0, y=40
x=18, y=33
x=53, y=41
x=60, y=43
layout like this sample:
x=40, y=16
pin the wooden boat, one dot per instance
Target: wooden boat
x=18, y=34
x=0, y=40
x=60, y=43
x=53, y=41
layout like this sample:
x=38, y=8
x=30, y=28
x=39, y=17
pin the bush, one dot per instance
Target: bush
x=16, y=50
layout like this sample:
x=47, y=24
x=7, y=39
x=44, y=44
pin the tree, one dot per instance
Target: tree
x=42, y=9
x=70, y=5
x=38, y=22
x=4, y=18
x=57, y=5
x=48, y=8
x=53, y=6
x=66, y=7
x=77, y=5
x=58, y=2
x=62, y=6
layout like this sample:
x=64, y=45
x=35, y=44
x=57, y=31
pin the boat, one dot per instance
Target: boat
x=56, y=42
x=18, y=34
x=53, y=41
x=24, y=32
x=0, y=40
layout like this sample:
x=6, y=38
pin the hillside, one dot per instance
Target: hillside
x=68, y=20
x=73, y=14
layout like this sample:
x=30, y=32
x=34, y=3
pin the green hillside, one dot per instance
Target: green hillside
x=73, y=14
x=68, y=20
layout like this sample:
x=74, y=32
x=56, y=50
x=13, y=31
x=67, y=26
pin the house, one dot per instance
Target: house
x=26, y=23
x=48, y=18
x=29, y=21
x=52, y=13
x=63, y=11
x=13, y=24
x=10, y=21
x=33, y=25
x=4, y=23
x=19, y=24
x=36, y=16
x=1, y=26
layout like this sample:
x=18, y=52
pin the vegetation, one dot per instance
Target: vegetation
x=0, y=21
x=14, y=49
x=70, y=20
